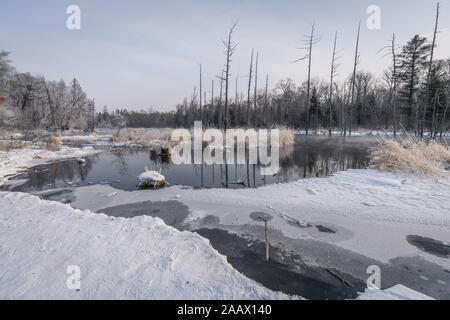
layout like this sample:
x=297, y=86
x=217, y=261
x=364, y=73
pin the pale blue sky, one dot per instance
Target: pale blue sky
x=141, y=54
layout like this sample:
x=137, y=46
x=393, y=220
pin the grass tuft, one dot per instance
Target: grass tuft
x=432, y=158
x=52, y=142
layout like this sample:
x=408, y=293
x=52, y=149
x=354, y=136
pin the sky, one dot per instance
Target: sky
x=140, y=54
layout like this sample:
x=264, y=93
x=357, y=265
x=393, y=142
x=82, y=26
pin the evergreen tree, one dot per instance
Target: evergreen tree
x=413, y=60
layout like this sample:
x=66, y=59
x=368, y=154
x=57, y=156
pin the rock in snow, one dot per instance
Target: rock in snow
x=151, y=179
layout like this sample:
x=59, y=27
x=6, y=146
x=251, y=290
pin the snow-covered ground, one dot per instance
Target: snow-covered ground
x=380, y=208
x=140, y=258
x=398, y=292
x=18, y=160
x=373, y=213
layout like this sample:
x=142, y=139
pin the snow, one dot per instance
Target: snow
x=151, y=179
x=151, y=175
x=371, y=209
x=18, y=160
x=139, y=258
x=83, y=138
x=398, y=292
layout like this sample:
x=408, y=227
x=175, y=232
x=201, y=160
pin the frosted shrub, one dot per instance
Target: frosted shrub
x=52, y=142
x=420, y=157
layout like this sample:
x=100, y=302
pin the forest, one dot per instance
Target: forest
x=29, y=102
x=411, y=95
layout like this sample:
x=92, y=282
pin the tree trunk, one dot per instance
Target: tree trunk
x=330, y=101
x=249, y=86
x=355, y=64
x=427, y=97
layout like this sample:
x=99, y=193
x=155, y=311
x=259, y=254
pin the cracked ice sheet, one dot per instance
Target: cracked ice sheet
x=139, y=258
x=400, y=205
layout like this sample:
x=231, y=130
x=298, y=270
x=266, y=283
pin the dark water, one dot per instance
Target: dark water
x=431, y=246
x=308, y=157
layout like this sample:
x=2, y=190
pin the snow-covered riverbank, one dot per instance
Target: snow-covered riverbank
x=140, y=258
x=380, y=208
x=15, y=161
x=347, y=222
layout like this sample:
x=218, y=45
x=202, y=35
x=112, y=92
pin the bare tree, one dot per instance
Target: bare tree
x=212, y=102
x=250, y=74
x=255, y=95
x=353, y=83
x=392, y=78
x=50, y=104
x=230, y=48
x=200, y=86
x=236, y=100
x=333, y=72
x=430, y=67
x=395, y=84
x=309, y=41
x=265, y=102
x=219, y=107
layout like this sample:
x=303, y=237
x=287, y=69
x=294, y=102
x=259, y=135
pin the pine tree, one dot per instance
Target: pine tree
x=413, y=60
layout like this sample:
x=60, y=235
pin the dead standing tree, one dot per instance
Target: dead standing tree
x=236, y=102
x=229, y=50
x=200, y=102
x=430, y=69
x=353, y=84
x=333, y=73
x=219, y=107
x=265, y=102
x=394, y=78
x=255, y=95
x=225, y=77
x=309, y=41
x=211, y=119
x=250, y=74
x=395, y=84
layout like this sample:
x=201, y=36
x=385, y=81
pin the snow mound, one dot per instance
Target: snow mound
x=151, y=175
x=139, y=258
x=151, y=179
x=398, y=292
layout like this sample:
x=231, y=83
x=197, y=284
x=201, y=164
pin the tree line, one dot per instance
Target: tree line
x=30, y=102
x=412, y=94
